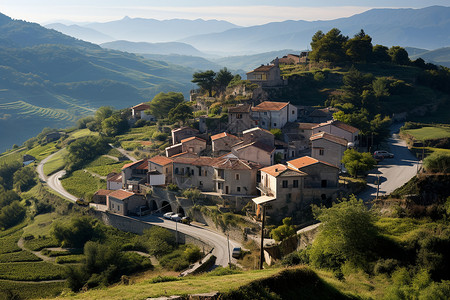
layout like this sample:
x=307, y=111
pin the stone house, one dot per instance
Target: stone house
x=183, y=133
x=239, y=118
x=193, y=145
x=100, y=196
x=322, y=115
x=258, y=134
x=114, y=181
x=269, y=114
x=160, y=169
x=134, y=174
x=339, y=129
x=256, y=152
x=174, y=150
x=266, y=75
x=223, y=142
x=290, y=59
x=124, y=202
x=194, y=172
x=138, y=112
x=297, y=184
x=328, y=148
x=234, y=176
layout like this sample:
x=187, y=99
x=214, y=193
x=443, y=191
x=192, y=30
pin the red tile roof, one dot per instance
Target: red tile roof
x=330, y=137
x=116, y=177
x=279, y=169
x=338, y=124
x=259, y=145
x=135, y=163
x=307, y=126
x=196, y=161
x=103, y=192
x=184, y=128
x=143, y=165
x=264, y=68
x=184, y=154
x=121, y=194
x=256, y=129
x=270, y=106
x=222, y=135
x=307, y=161
x=141, y=106
x=161, y=160
x=192, y=138
x=235, y=164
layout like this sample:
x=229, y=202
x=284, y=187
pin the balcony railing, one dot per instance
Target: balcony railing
x=264, y=189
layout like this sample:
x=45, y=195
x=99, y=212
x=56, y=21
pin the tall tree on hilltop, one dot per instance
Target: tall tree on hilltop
x=399, y=55
x=329, y=46
x=359, y=48
x=205, y=80
x=223, y=78
x=380, y=54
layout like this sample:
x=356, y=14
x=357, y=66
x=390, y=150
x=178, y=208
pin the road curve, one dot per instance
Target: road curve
x=393, y=172
x=218, y=241
x=53, y=181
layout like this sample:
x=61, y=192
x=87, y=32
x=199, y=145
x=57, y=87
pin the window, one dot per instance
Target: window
x=192, y=172
x=237, y=176
x=238, y=188
x=200, y=183
x=167, y=170
x=288, y=197
x=265, y=113
x=274, y=124
x=324, y=183
x=321, y=151
x=295, y=184
x=293, y=112
x=284, y=184
x=176, y=170
x=205, y=173
x=238, y=116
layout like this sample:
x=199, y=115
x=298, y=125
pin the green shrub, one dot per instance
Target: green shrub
x=385, y=266
x=160, y=278
x=438, y=162
x=221, y=271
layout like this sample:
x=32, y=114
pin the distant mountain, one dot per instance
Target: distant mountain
x=194, y=62
x=151, y=30
x=422, y=28
x=48, y=79
x=80, y=32
x=439, y=56
x=153, y=48
x=415, y=51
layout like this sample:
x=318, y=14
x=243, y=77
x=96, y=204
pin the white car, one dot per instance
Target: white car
x=175, y=217
x=382, y=154
x=169, y=215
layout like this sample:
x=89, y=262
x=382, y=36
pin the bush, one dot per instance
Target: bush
x=438, y=162
x=160, y=278
x=77, y=232
x=385, y=266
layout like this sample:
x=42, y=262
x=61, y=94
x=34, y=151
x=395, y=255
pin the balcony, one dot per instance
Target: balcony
x=218, y=178
x=265, y=190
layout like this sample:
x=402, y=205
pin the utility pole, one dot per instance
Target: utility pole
x=378, y=185
x=261, y=258
x=229, y=256
x=176, y=232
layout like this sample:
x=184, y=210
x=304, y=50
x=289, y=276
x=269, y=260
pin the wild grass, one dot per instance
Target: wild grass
x=42, y=151
x=105, y=165
x=56, y=163
x=7, y=158
x=82, y=133
x=40, y=243
x=27, y=271
x=42, y=224
x=8, y=243
x=401, y=229
x=184, y=286
x=70, y=259
x=81, y=183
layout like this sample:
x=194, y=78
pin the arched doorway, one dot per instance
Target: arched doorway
x=152, y=205
x=165, y=207
x=180, y=211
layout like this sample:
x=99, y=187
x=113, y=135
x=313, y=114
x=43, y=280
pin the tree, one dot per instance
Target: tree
x=223, y=78
x=114, y=125
x=103, y=112
x=205, y=80
x=380, y=54
x=399, y=55
x=359, y=48
x=355, y=83
x=347, y=233
x=24, y=179
x=283, y=231
x=180, y=113
x=380, y=87
x=356, y=162
x=162, y=103
x=328, y=47
x=11, y=214
x=77, y=232
x=83, y=150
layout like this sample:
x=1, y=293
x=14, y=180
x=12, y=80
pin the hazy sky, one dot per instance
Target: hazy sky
x=241, y=12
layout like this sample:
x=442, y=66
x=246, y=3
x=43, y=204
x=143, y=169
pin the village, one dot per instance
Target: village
x=242, y=159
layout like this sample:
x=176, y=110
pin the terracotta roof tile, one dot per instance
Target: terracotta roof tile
x=338, y=124
x=133, y=163
x=305, y=161
x=116, y=177
x=184, y=128
x=160, y=160
x=184, y=154
x=307, y=126
x=259, y=145
x=222, y=135
x=270, y=106
x=235, y=164
x=103, y=192
x=121, y=194
x=263, y=68
x=143, y=165
x=141, y=106
x=279, y=169
x=330, y=137
x=191, y=139
x=256, y=129
x=196, y=161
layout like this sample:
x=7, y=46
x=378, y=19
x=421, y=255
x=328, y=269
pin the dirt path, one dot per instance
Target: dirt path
x=21, y=244
x=95, y=174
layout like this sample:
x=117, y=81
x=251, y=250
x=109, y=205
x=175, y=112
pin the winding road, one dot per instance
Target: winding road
x=393, y=172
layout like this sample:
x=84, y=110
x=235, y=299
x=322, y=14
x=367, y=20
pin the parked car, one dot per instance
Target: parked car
x=168, y=215
x=82, y=202
x=175, y=217
x=236, y=252
x=382, y=154
x=186, y=220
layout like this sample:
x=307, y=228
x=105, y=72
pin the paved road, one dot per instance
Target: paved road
x=393, y=172
x=53, y=181
x=208, y=236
